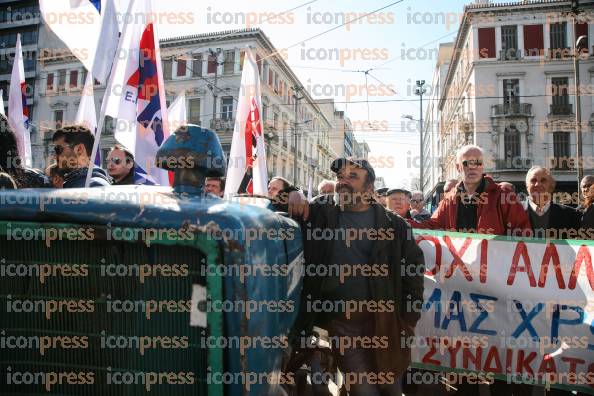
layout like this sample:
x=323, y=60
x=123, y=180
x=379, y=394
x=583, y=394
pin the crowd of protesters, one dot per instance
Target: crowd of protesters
x=473, y=204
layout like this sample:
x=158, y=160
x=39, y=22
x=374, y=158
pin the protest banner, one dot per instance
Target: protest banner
x=517, y=309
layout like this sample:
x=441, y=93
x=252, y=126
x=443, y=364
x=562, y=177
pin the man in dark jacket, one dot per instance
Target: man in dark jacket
x=355, y=233
x=120, y=166
x=279, y=189
x=73, y=146
x=548, y=219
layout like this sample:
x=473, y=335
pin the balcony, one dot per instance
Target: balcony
x=510, y=54
x=511, y=109
x=516, y=163
x=561, y=109
x=222, y=124
x=563, y=53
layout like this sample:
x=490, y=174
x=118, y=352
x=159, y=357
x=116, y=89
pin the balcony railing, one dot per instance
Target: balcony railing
x=562, y=109
x=222, y=124
x=510, y=54
x=515, y=163
x=511, y=109
x=560, y=53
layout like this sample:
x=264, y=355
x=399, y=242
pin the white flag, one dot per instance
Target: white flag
x=86, y=114
x=136, y=93
x=310, y=188
x=18, y=111
x=89, y=28
x=247, y=160
x=177, y=113
x=2, y=103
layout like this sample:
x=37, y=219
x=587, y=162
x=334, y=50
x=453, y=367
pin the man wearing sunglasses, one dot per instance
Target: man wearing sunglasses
x=73, y=146
x=417, y=210
x=478, y=205
x=120, y=166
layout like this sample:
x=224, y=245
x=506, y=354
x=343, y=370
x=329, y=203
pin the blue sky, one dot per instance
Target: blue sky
x=411, y=27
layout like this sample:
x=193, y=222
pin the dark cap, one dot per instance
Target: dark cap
x=382, y=192
x=339, y=163
x=399, y=190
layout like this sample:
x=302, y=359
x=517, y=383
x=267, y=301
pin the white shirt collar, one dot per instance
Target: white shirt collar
x=534, y=207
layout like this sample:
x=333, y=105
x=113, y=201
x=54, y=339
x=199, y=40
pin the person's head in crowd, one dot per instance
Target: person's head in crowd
x=589, y=197
x=399, y=201
x=540, y=185
x=55, y=175
x=326, y=187
x=417, y=201
x=120, y=165
x=381, y=196
x=469, y=163
x=73, y=146
x=585, y=184
x=10, y=161
x=6, y=182
x=215, y=186
x=355, y=180
x=449, y=185
x=276, y=185
x=507, y=187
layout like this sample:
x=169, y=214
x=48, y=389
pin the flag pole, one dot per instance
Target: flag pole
x=101, y=121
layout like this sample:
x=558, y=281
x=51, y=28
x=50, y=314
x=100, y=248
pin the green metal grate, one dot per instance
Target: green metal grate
x=185, y=361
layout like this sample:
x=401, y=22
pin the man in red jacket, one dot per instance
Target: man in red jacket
x=478, y=204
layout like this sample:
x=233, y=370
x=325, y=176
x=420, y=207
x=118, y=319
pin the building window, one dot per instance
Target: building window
x=241, y=59
x=270, y=78
x=227, y=108
x=264, y=71
x=197, y=65
x=58, y=118
x=73, y=78
x=560, y=94
x=49, y=82
x=486, y=42
x=509, y=42
x=181, y=68
x=558, y=39
x=561, y=150
x=194, y=111
x=62, y=80
x=511, y=92
x=533, y=40
x=511, y=143
x=273, y=165
x=229, y=65
x=29, y=61
x=581, y=29
x=212, y=64
x=167, y=67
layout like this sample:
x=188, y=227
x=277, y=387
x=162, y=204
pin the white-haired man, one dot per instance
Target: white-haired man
x=326, y=187
x=417, y=209
x=477, y=205
x=548, y=219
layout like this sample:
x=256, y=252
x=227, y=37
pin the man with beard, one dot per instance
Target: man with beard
x=363, y=235
x=73, y=146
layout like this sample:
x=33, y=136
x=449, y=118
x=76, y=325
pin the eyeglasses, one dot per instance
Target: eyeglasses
x=416, y=200
x=115, y=161
x=60, y=149
x=473, y=163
